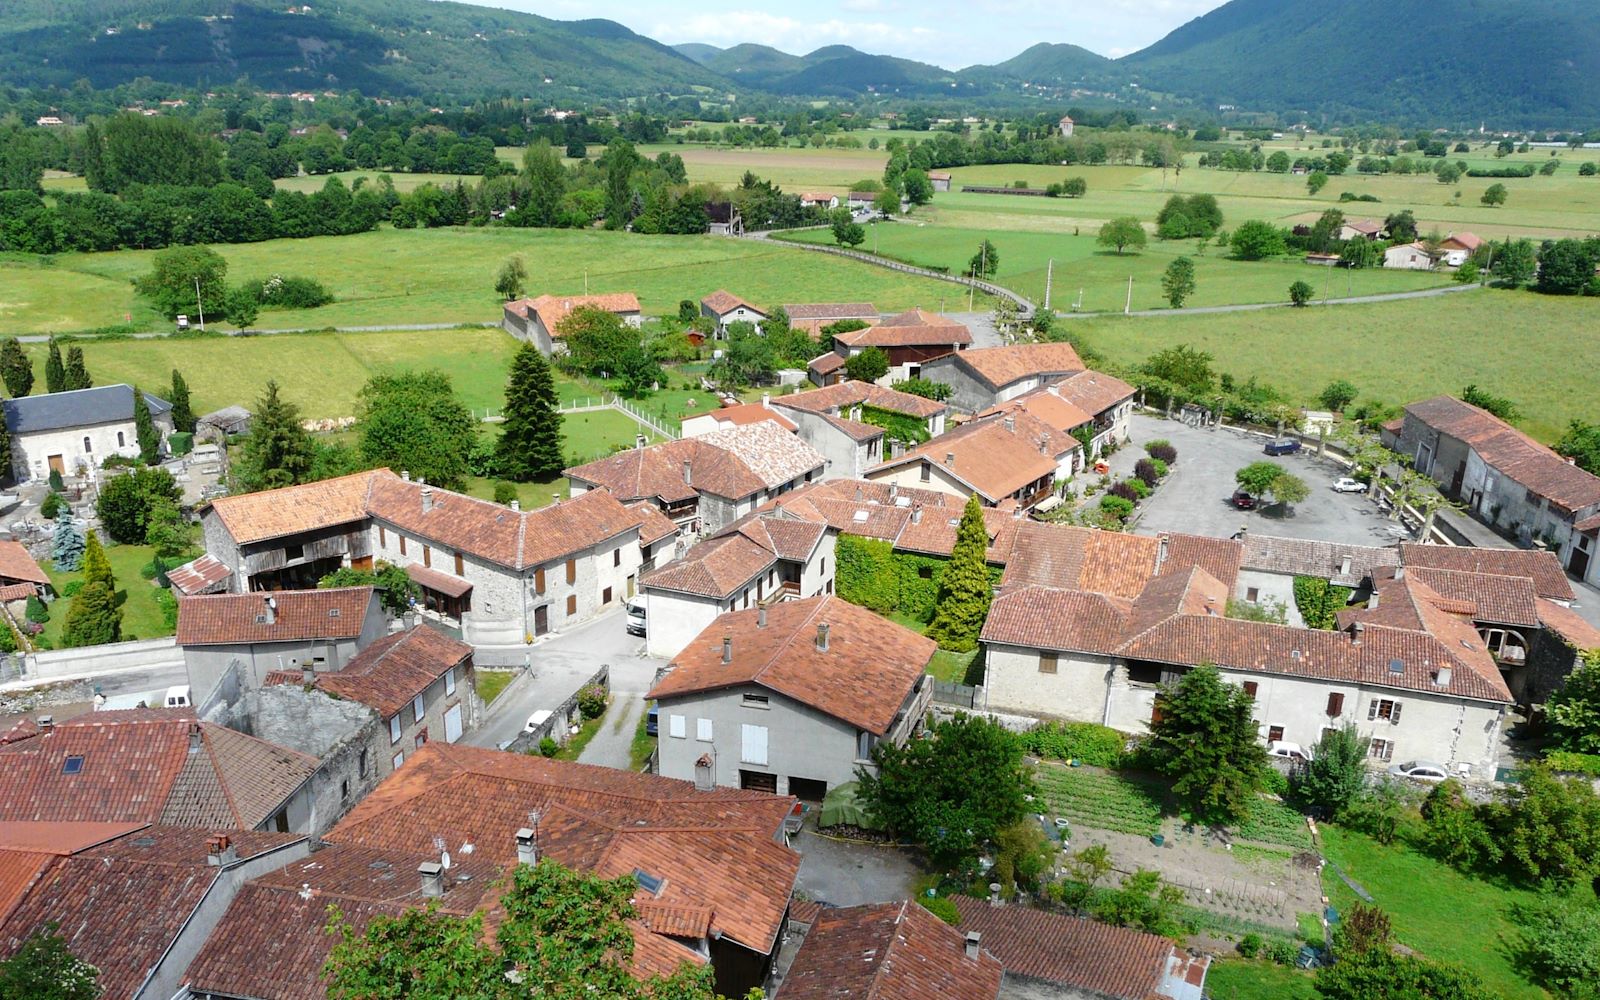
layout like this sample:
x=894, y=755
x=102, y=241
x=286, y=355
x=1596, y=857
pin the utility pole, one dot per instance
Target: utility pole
x=1049, y=273
x=1127, y=307
x=586, y=281
x=200, y=304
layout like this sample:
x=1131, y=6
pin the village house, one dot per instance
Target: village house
x=499, y=575
x=1457, y=247
x=1504, y=478
x=723, y=219
x=887, y=951
x=909, y=339
x=723, y=307
x=1361, y=229
x=1066, y=125
x=203, y=574
x=861, y=201
x=715, y=877
x=1269, y=565
x=1410, y=257
x=738, y=415
x=819, y=199
x=981, y=377
x=73, y=433
x=846, y=422
x=790, y=699
x=538, y=321
x=940, y=179
x=135, y=900
x=1092, y=407
x=704, y=483
x=1011, y=459
x=20, y=577
x=813, y=316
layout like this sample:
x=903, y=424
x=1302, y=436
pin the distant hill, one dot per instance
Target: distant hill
x=834, y=70
x=1531, y=60
x=1048, y=64
x=698, y=51
x=752, y=65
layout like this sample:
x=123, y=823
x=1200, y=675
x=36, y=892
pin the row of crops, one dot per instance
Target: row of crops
x=1109, y=801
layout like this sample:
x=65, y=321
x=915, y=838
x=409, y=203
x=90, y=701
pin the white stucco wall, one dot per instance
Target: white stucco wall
x=30, y=453
x=672, y=619
x=910, y=474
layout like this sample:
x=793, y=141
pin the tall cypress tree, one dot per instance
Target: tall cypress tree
x=97, y=565
x=77, y=375
x=182, y=409
x=55, y=373
x=530, y=437
x=16, y=370
x=277, y=451
x=144, y=430
x=964, y=587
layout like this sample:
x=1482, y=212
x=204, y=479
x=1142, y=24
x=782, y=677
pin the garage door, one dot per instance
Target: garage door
x=452, y=724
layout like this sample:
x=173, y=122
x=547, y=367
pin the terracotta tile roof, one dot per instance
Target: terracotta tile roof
x=825, y=364
x=1000, y=366
x=1051, y=618
x=17, y=592
x=1045, y=406
x=1101, y=562
x=1568, y=624
x=121, y=906
x=391, y=671
x=256, y=517
x=913, y=328
x=1514, y=454
x=1311, y=557
x=1542, y=567
x=1505, y=600
x=840, y=397
x=716, y=849
x=772, y=454
x=1368, y=226
x=1220, y=557
x=19, y=870
x=1589, y=524
x=199, y=575
x=933, y=532
x=217, y=619
x=785, y=537
x=870, y=667
x=1463, y=241
x=60, y=838
x=829, y=312
x=137, y=767
x=888, y=951
x=17, y=565
x=1091, y=391
x=653, y=525
x=732, y=462
x=989, y=456
x=552, y=309
x=722, y=302
x=746, y=413
x=438, y=581
x=854, y=429
x=716, y=567
x=1080, y=954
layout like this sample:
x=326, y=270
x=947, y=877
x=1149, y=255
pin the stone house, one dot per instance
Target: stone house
x=1086, y=405
x=940, y=179
x=909, y=339
x=723, y=307
x=537, y=321
x=73, y=433
x=984, y=376
x=813, y=316
x=830, y=420
x=1066, y=125
x=724, y=417
x=792, y=698
x=895, y=951
x=1361, y=229
x=1012, y=459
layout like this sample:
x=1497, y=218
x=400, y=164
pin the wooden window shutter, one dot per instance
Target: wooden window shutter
x=382, y=537
x=427, y=555
x=538, y=580
x=1372, y=710
x=402, y=545
x=461, y=569
x=572, y=605
x=1048, y=663
x=572, y=571
x=1394, y=715
x=1155, y=713
x=1250, y=688
x=1335, y=704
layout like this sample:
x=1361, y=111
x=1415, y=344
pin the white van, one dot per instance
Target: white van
x=178, y=697
x=636, y=617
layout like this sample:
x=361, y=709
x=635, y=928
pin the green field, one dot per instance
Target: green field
x=1436, y=910
x=1237, y=979
x=142, y=618
x=1537, y=350
x=399, y=277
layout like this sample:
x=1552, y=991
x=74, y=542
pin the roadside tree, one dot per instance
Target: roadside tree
x=1178, y=281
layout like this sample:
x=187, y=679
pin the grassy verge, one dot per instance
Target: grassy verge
x=573, y=748
x=1240, y=979
x=643, y=744
x=142, y=617
x=492, y=682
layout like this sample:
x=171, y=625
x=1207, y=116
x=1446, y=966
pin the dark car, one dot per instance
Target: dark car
x=1282, y=446
x=650, y=720
x=1243, y=500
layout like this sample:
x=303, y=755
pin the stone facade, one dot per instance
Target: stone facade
x=78, y=451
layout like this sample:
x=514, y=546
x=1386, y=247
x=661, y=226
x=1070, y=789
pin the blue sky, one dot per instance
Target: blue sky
x=944, y=32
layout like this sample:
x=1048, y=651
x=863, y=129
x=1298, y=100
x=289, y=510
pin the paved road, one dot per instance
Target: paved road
x=385, y=328
x=560, y=665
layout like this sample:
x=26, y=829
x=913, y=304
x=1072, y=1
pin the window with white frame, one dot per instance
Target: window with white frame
x=1381, y=749
x=1385, y=710
x=677, y=727
x=394, y=728
x=399, y=758
x=450, y=681
x=702, y=730
x=418, y=708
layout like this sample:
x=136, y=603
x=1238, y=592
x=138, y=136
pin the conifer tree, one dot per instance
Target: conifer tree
x=1204, y=737
x=182, y=409
x=55, y=373
x=77, y=375
x=964, y=588
x=93, y=618
x=277, y=451
x=67, y=548
x=16, y=370
x=144, y=430
x=96, y=565
x=530, y=436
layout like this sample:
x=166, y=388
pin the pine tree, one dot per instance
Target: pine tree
x=93, y=618
x=1205, y=738
x=965, y=589
x=16, y=370
x=77, y=376
x=182, y=409
x=144, y=430
x=277, y=451
x=55, y=373
x=96, y=565
x=67, y=550
x=530, y=437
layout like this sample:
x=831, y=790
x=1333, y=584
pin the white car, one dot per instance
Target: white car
x=537, y=720
x=1283, y=748
x=1420, y=770
x=1347, y=485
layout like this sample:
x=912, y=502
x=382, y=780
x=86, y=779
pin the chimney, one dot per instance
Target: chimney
x=194, y=737
x=527, y=847
x=994, y=894
x=46, y=723
x=406, y=476
x=855, y=413
x=761, y=617
x=727, y=649
x=555, y=499
x=308, y=674
x=950, y=459
x=220, y=851
x=638, y=440
x=1442, y=678
x=974, y=940
x=516, y=506
x=766, y=400
x=894, y=490
x=822, y=636
x=916, y=514
x=432, y=874
x=427, y=499
x=270, y=612
x=688, y=473
x=1162, y=540
x=1399, y=572
x=1011, y=424
x=1344, y=566
x=705, y=773
x=1355, y=633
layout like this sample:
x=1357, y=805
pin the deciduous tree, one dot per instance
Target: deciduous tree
x=413, y=421
x=1204, y=737
x=170, y=285
x=1336, y=773
x=1178, y=281
x=868, y=365
x=125, y=501
x=985, y=262
x=394, y=585
x=511, y=277
x=43, y=969
x=1338, y=394
x=1494, y=195
x=1122, y=233
x=847, y=232
x=1257, y=240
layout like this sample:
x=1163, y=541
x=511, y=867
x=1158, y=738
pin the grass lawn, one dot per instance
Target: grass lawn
x=643, y=744
x=1537, y=350
x=395, y=277
x=492, y=682
x=1435, y=909
x=142, y=618
x=950, y=666
x=1239, y=979
x=573, y=748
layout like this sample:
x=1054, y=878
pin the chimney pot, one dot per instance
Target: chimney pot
x=516, y=505
x=974, y=941
x=727, y=649
x=527, y=849
x=894, y=490
x=432, y=874
x=46, y=723
x=1399, y=572
x=766, y=400
x=1011, y=423
x=638, y=440
x=916, y=514
x=194, y=737
x=994, y=893
x=761, y=617
x=705, y=773
x=427, y=499
x=555, y=499
x=220, y=851
x=405, y=475
x=950, y=459
x=308, y=674
x=822, y=636
x=270, y=606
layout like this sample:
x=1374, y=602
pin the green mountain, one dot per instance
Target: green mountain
x=1531, y=60
x=752, y=65
x=835, y=70
x=377, y=46
x=1048, y=64
x=698, y=51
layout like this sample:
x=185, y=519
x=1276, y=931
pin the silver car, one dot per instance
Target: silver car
x=1420, y=770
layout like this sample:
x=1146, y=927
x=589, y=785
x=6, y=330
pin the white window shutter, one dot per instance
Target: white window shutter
x=702, y=730
x=1394, y=715
x=753, y=745
x=677, y=727
x=1372, y=710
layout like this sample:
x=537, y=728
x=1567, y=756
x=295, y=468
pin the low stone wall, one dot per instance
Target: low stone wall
x=562, y=717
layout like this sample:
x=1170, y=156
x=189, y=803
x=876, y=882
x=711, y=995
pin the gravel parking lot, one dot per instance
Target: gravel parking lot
x=1195, y=497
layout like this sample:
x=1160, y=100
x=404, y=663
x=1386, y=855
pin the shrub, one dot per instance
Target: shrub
x=288, y=292
x=504, y=493
x=592, y=701
x=71, y=588
x=55, y=481
x=1138, y=486
x=1559, y=760
x=51, y=506
x=1116, y=506
x=125, y=502
x=1162, y=451
x=1125, y=489
x=169, y=608
x=1250, y=945
x=1275, y=781
x=1284, y=951
x=548, y=747
x=38, y=613
x=941, y=908
x=1095, y=745
x=8, y=638
x=1145, y=469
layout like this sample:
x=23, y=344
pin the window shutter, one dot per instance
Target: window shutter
x=677, y=727
x=572, y=571
x=1394, y=715
x=1250, y=688
x=383, y=539
x=572, y=606
x=538, y=580
x=461, y=569
x=702, y=730
x=1372, y=710
x=402, y=545
x=1335, y=704
x=427, y=556
x=1048, y=663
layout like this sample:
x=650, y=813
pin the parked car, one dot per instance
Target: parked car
x=536, y=720
x=1420, y=770
x=1282, y=446
x=178, y=697
x=1243, y=500
x=1283, y=748
x=651, y=718
x=1345, y=484
x=636, y=617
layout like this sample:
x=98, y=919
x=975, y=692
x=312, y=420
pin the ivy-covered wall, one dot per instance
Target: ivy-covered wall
x=870, y=573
